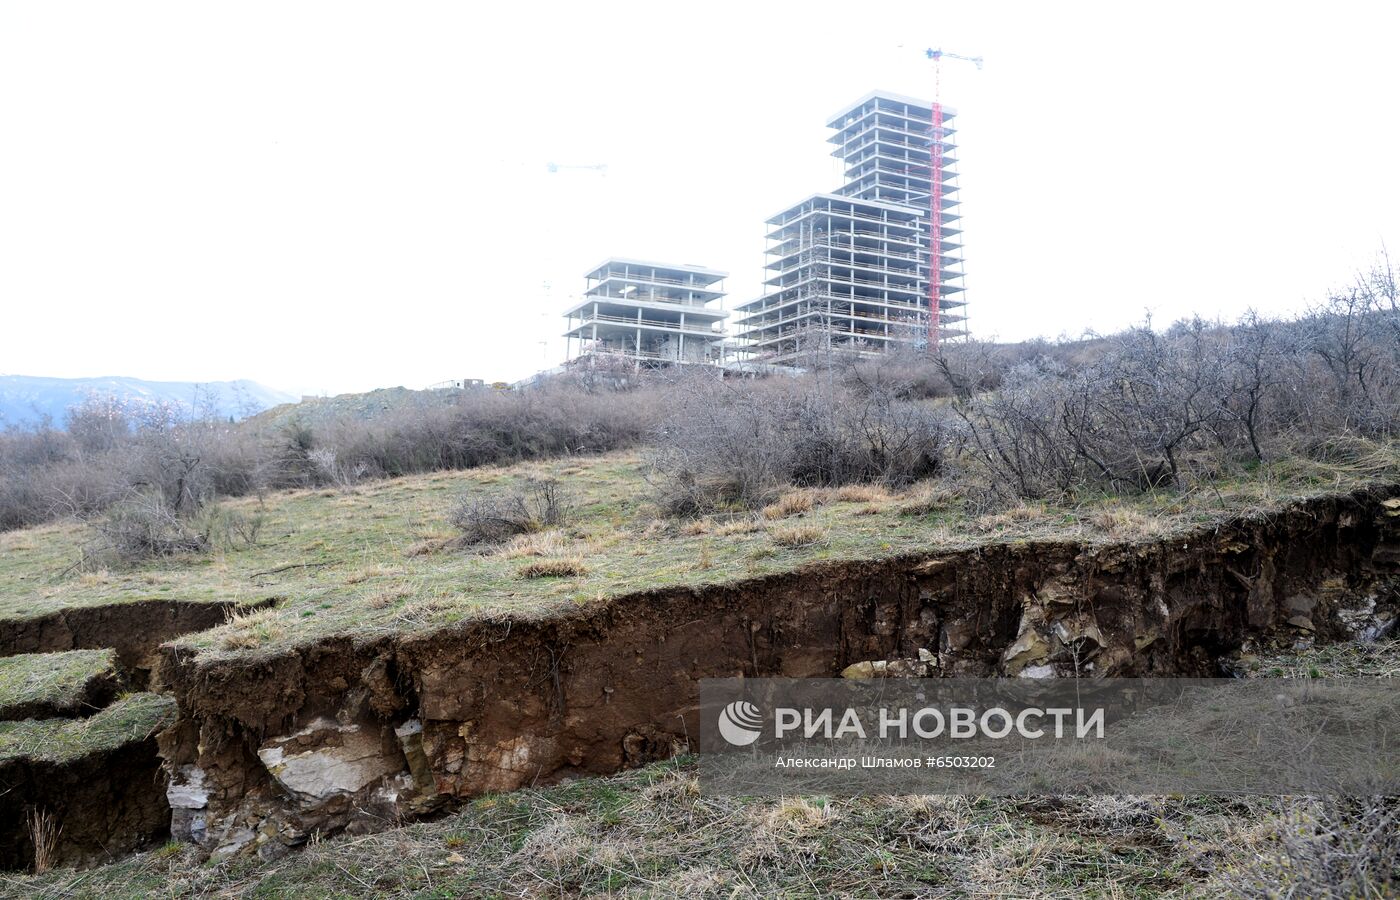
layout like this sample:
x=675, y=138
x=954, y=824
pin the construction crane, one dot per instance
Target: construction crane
x=935, y=153
x=601, y=169
x=936, y=55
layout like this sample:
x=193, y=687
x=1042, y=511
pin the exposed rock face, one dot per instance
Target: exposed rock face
x=325, y=760
x=366, y=732
x=188, y=799
x=925, y=665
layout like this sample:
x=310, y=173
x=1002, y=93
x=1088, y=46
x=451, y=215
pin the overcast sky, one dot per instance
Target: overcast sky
x=328, y=197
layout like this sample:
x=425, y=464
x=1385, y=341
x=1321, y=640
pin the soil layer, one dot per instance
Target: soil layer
x=272, y=748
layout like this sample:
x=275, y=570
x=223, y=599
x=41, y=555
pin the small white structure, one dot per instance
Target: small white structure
x=649, y=313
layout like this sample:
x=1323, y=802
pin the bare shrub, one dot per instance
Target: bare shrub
x=538, y=505
x=1162, y=409
x=1127, y=421
x=485, y=427
x=230, y=529
x=144, y=527
x=728, y=445
x=1355, y=336
x=1333, y=847
x=1142, y=410
x=115, y=449
x=332, y=470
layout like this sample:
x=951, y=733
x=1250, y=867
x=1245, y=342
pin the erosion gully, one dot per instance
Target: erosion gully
x=354, y=734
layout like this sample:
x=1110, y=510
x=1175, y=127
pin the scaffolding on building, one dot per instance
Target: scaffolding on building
x=869, y=267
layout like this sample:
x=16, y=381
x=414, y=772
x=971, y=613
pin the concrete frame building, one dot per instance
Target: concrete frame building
x=849, y=270
x=648, y=313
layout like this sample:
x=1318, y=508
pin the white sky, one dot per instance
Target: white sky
x=327, y=197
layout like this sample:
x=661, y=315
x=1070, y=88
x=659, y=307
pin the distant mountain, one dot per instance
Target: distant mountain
x=26, y=400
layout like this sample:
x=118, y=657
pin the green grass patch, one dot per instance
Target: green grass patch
x=56, y=680
x=132, y=718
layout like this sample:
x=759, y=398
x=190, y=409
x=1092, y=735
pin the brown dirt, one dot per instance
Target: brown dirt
x=109, y=804
x=133, y=629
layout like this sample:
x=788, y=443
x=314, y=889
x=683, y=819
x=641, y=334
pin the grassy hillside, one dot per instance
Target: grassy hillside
x=383, y=557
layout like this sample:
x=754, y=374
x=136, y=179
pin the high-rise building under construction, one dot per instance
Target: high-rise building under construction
x=849, y=271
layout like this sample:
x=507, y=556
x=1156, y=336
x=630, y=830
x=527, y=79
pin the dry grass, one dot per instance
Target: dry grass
x=1125, y=523
x=321, y=548
x=792, y=503
x=43, y=833
x=93, y=579
x=378, y=570
x=388, y=597
x=249, y=630
x=861, y=493
x=792, y=536
x=651, y=832
x=541, y=543
x=428, y=546
x=654, y=832
x=554, y=567
x=796, y=814
x=1012, y=518
x=738, y=526
x=696, y=527
x=132, y=717
x=927, y=498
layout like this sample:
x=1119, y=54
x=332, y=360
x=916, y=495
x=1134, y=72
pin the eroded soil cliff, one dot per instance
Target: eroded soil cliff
x=271, y=748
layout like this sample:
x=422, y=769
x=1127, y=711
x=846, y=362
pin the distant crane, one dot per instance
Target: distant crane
x=935, y=152
x=936, y=55
x=555, y=168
